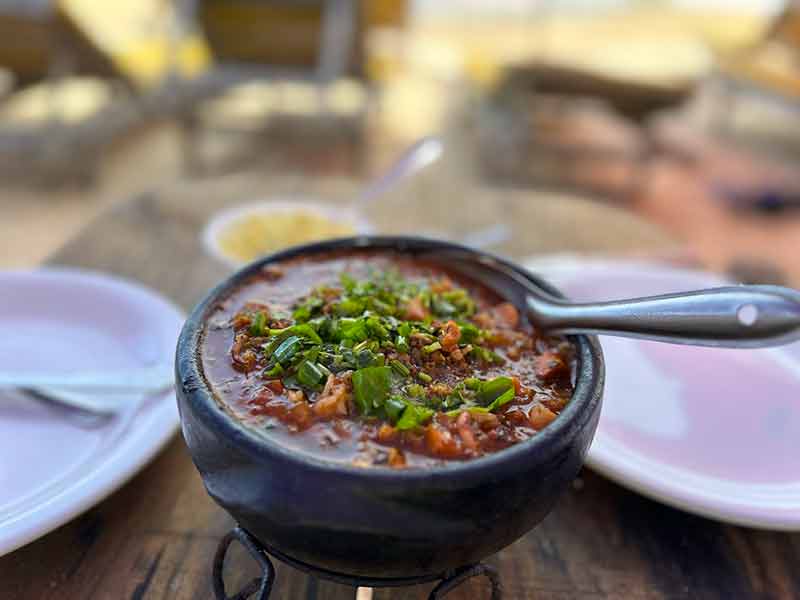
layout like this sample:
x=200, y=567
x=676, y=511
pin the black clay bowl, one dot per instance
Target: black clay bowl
x=380, y=523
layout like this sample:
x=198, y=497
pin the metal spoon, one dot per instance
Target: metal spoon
x=744, y=316
x=418, y=156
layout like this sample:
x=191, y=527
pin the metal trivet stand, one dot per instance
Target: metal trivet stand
x=262, y=586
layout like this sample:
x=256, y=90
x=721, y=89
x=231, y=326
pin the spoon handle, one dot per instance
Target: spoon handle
x=732, y=317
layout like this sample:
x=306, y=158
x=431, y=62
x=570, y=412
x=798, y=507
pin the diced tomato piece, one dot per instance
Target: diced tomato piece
x=540, y=416
x=387, y=433
x=415, y=310
x=441, y=442
x=549, y=366
x=397, y=459
x=275, y=386
x=450, y=335
x=506, y=314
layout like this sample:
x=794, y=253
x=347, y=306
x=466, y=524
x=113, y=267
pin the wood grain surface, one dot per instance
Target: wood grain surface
x=155, y=537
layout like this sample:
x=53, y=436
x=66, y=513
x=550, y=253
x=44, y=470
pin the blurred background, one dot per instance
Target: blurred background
x=683, y=117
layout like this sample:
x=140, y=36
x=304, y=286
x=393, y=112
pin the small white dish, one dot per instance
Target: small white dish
x=712, y=431
x=222, y=221
x=63, y=460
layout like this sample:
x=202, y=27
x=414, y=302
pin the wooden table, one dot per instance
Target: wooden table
x=156, y=536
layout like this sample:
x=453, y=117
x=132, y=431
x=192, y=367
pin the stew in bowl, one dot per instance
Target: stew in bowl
x=377, y=359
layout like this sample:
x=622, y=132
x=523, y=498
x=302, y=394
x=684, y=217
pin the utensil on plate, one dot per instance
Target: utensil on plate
x=58, y=461
x=103, y=403
x=144, y=380
x=102, y=393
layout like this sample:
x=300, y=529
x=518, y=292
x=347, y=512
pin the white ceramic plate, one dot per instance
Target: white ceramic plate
x=711, y=431
x=54, y=462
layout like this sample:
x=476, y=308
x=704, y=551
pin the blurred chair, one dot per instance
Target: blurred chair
x=565, y=126
x=631, y=98
x=164, y=58
x=742, y=139
x=36, y=42
x=311, y=41
x=62, y=50
x=317, y=42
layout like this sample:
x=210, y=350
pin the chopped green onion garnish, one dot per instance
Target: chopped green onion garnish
x=275, y=371
x=432, y=347
x=371, y=388
x=400, y=368
x=302, y=329
x=469, y=333
x=414, y=416
x=349, y=307
x=368, y=358
x=357, y=326
x=286, y=350
x=493, y=389
x=259, y=325
x=487, y=356
x=353, y=329
x=472, y=383
x=394, y=408
x=376, y=328
x=442, y=307
x=401, y=343
x=310, y=375
x=501, y=400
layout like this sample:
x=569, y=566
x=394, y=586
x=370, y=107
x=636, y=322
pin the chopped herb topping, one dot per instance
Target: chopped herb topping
x=416, y=361
x=376, y=327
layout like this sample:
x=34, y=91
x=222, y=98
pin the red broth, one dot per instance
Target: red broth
x=378, y=360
